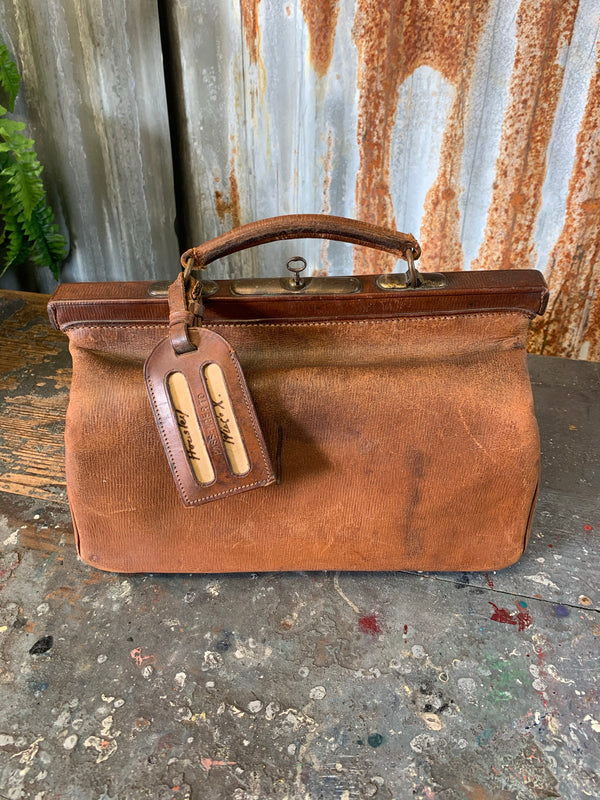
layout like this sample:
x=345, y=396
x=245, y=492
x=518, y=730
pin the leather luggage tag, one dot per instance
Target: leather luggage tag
x=206, y=418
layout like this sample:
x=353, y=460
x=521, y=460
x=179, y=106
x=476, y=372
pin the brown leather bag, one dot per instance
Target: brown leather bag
x=374, y=422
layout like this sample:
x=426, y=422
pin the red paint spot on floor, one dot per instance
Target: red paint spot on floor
x=369, y=625
x=587, y=527
x=522, y=618
x=502, y=615
x=490, y=582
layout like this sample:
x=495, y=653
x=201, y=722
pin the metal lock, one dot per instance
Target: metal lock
x=331, y=285
x=299, y=284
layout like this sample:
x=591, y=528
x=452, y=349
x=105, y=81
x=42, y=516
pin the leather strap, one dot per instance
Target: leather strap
x=182, y=314
x=302, y=226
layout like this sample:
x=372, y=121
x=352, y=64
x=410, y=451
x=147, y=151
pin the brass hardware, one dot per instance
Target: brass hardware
x=391, y=281
x=412, y=279
x=413, y=274
x=161, y=288
x=299, y=283
x=256, y=287
x=189, y=266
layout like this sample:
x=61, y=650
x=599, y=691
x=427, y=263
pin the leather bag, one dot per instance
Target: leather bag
x=372, y=422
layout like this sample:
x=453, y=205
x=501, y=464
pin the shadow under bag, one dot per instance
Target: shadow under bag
x=373, y=422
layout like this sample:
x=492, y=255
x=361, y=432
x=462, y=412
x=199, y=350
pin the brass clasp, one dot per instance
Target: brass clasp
x=412, y=279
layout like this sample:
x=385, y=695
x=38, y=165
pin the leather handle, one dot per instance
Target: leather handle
x=301, y=226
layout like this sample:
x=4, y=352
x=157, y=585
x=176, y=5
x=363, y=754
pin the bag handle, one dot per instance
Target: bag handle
x=301, y=226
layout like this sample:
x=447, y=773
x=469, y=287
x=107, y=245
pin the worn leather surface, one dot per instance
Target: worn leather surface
x=398, y=442
x=302, y=226
x=73, y=303
x=400, y=424
x=183, y=312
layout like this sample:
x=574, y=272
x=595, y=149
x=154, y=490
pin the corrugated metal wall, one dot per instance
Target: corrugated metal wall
x=94, y=96
x=474, y=124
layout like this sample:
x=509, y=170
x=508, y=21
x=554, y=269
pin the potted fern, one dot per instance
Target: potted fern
x=28, y=232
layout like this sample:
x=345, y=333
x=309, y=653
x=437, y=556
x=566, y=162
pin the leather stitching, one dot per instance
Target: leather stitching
x=290, y=323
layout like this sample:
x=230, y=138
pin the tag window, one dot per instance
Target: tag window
x=189, y=428
x=235, y=451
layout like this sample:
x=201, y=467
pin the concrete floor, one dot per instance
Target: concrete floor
x=306, y=686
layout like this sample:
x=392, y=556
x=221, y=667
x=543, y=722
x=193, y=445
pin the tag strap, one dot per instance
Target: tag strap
x=183, y=314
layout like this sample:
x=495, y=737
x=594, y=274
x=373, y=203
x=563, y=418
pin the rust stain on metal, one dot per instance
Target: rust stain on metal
x=255, y=90
x=321, y=21
x=571, y=326
x=440, y=228
x=230, y=205
x=543, y=30
x=249, y=11
x=393, y=40
x=327, y=167
x=378, y=33
x=323, y=268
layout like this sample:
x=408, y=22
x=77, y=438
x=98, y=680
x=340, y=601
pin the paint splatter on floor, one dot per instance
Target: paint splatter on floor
x=522, y=618
x=370, y=625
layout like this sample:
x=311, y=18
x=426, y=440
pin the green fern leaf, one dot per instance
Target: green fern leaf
x=15, y=240
x=14, y=247
x=23, y=175
x=48, y=246
x=13, y=244
x=8, y=205
x=15, y=144
x=9, y=76
x=8, y=127
x=6, y=199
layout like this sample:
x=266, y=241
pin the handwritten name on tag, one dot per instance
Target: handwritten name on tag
x=206, y=419
x=228, y=427
x=189, y=428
